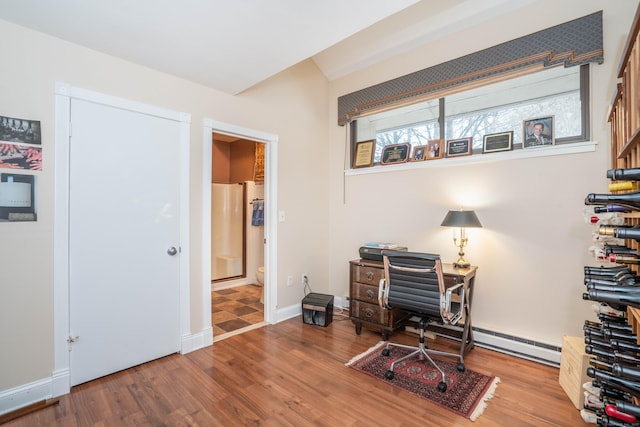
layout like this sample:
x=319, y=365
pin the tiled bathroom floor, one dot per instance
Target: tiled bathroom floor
x=236, y=308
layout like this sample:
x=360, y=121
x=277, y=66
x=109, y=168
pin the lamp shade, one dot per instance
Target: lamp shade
x=467, y=219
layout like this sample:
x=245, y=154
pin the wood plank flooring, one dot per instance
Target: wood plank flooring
x=292, y=374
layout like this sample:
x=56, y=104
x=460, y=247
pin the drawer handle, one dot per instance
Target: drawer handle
x=370, y=294
x=369, y=275
x=368, y=313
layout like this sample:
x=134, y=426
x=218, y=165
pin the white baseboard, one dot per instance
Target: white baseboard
x=288, y=312
x=197, y=341
x=18, y=397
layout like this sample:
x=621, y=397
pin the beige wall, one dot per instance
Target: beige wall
x=291, y=105
x=534, y=243
x=530, y=253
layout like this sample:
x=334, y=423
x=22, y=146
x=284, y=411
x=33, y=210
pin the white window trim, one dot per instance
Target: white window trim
x=525, y=153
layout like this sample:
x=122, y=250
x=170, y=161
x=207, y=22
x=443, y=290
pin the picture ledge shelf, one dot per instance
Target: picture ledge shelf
x=526, y=153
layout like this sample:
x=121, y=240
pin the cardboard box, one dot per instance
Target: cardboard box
x=573, y=369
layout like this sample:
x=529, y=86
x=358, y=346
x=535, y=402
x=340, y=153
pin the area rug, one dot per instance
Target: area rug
x=467, y=392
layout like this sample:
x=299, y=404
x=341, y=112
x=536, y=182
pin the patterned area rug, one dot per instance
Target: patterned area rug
x=467, y=392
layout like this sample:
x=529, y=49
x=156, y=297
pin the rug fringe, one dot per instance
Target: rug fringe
x=371, y=350
x=482, y=403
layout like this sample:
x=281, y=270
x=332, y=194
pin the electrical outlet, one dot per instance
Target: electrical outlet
x=304, y=279
x=289, y=281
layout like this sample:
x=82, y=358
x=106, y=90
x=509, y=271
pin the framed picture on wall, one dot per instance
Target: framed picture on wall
x=538, y=132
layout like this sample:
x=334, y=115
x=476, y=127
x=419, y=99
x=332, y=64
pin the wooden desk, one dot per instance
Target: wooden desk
x=364, y=280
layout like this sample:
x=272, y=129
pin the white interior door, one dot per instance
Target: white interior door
x=124, y=239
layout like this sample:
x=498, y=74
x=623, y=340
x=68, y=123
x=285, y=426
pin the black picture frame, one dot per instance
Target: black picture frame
x=496, y=142
x=395, y=153
x=459, y=147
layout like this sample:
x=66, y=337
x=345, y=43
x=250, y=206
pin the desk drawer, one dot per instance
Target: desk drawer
x=366, y=293
x=452, y=280
x=367, y=275
x=369, y=312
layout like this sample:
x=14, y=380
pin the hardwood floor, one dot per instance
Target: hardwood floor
x=292, y=374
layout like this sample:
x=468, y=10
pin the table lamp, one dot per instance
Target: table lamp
x=463, y=220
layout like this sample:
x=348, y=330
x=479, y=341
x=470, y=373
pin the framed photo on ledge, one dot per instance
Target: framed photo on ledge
x=459, y=147
x=538, y=132
x=495, y=142
x=419, y=151
x=363, y=157
x=434, y=149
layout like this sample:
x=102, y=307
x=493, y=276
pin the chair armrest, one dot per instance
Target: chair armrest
x=383, y=294
x=445, y=304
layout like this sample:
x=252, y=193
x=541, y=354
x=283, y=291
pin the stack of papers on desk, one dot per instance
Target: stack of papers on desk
x=380, y=245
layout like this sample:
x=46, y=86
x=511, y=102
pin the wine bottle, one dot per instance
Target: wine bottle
x=628, y=407
x=627, y=372
x=631, y=174
x=610, y=208
x=624, y=259
x=605, y=344
x=615, y=298
x=604, y=317
x=611, y=356
x=619, y=249
x=627, y=329
x=632, y=387
x=604, y=271
x=623, y=186
x=620, y=232
x=612, y=334
x=630, y=200
x=612, y=411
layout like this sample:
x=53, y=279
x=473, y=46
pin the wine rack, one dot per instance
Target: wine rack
x=624, y=117
x=611, y=342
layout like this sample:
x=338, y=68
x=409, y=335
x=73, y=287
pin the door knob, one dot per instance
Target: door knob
x=172, y=251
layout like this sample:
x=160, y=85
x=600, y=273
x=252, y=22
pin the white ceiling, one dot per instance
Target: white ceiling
x=233, y=45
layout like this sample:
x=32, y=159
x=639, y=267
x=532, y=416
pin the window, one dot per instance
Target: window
x=493, y=108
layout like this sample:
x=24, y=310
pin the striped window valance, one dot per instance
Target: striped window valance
x=573, y=43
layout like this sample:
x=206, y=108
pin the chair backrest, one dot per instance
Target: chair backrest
x=414, y=282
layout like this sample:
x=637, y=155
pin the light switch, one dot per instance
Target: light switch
x=281, y=216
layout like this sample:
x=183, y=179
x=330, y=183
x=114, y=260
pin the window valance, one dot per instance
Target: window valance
x=573, y=43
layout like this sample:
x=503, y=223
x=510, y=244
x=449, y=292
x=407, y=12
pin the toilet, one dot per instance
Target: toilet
x=260, y=279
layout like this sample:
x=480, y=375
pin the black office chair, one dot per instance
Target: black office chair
x=414, y=283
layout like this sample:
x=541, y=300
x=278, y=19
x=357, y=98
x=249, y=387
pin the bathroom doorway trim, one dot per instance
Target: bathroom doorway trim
x=270, y=215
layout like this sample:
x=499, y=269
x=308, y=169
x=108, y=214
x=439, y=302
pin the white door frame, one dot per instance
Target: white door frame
x=63, y=94
x=270, y=195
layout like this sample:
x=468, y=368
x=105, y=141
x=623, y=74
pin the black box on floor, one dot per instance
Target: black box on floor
x=317, y=309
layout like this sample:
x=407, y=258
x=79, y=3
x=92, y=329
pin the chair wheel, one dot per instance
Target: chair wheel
x=442, y=386
x=385, y=352
x=461, y=367
x=389, y=375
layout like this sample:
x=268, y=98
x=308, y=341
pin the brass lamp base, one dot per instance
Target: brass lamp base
x=461, y=262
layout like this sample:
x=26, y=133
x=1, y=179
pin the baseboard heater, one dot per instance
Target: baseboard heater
x=519, y=347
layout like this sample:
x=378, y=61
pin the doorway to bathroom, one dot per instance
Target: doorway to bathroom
x=237, y=234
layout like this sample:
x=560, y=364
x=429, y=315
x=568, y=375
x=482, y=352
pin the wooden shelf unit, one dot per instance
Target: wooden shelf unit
x=624, y=117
